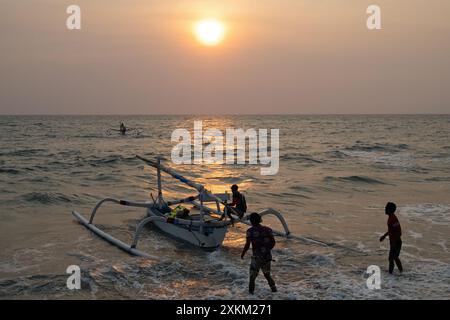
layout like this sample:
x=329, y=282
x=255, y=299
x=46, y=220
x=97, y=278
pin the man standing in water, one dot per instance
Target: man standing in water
x=394, y=233
x=122, y=129
x=262, y=241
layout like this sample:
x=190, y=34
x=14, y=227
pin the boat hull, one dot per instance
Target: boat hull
x=206, y=237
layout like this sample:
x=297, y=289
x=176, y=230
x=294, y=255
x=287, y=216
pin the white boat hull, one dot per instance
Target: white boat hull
x=209, y=239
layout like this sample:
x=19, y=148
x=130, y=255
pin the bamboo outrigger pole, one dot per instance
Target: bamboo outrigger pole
x=157, y=164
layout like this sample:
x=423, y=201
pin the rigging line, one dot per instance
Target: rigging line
x=325, y=244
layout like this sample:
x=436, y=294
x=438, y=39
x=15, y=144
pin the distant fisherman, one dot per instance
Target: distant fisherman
x=394, y=233
x=123, y=129
x=262, y=240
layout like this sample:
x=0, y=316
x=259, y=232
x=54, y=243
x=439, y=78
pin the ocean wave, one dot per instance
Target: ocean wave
x=5, y=191
x=438, y=179
x=299, y=274
x=337, y=154
x=227, y=180
x=219, y=278
x=301, y=188
x=319, y=260
x=356, y=179
x=434, y=213
x=385, y=160
x=26, y=152
x=112, y=159
x=289, y=194
x=378, y=147
x=48, y=198
x=104, y=177
x=9, y=171
x=36, y=284
x=299, y=157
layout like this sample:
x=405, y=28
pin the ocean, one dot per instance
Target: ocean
x=336, y=175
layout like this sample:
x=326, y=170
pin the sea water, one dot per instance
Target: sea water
x=336, y=174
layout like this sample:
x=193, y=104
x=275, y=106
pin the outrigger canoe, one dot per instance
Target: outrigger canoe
x=205, y=227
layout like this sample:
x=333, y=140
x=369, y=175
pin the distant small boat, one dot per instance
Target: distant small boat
x=123, y=132
x=204, y=227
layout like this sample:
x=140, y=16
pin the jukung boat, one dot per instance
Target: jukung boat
x=204, y=227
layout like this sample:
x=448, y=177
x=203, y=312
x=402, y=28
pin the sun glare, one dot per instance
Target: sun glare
x=209, y=32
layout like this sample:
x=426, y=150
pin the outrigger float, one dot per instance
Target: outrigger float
x=205, y=227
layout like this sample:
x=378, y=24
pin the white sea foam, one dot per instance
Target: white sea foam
x=443, y=244
x=404, y=160
x=415, y=235
x=432, y=212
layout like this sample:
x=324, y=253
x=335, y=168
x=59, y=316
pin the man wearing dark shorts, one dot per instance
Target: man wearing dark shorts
x=262, y=241
x=394, y=233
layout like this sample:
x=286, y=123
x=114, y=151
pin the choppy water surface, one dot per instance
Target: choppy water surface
x=336, y=174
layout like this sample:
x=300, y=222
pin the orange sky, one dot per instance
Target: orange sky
x=277, y=56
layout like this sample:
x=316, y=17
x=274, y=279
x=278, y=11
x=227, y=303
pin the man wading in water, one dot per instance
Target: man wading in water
x=122, y=129
x=394, y=233
x=262, y=241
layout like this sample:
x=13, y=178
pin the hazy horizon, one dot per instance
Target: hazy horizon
x=218, y=114
x=289, y=57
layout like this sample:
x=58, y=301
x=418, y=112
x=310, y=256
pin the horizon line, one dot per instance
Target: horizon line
x=225, y=114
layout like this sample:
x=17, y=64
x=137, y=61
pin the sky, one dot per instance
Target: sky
x=276, y=57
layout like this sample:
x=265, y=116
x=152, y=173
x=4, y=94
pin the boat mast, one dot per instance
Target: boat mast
x=158, y=170
x=202, y=194
x=161, y=167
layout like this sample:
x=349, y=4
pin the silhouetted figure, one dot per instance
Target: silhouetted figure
x=262, y=241
x=122, y=129
x=394, y=233
x=238, y=201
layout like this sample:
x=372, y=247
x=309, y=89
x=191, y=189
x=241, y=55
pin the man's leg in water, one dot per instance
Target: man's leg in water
x=396, y=257
x=270, y=282
x=266, y=271
x=394, y=253
x=399, y=264
x=254, y=270
x=391, y=264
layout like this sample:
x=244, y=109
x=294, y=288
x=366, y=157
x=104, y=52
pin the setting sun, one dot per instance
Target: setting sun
x=209, y=32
